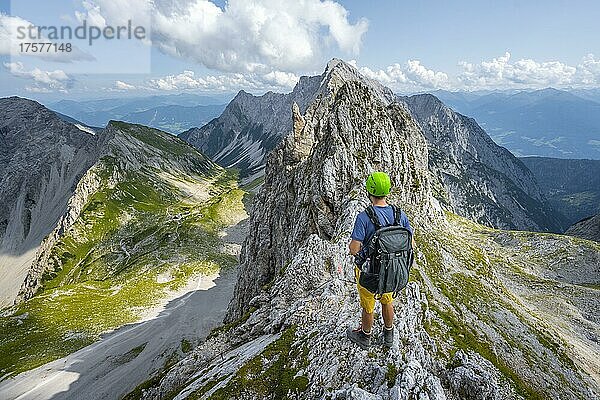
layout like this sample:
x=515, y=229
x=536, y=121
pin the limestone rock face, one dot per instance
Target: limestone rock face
x=483, y=181
x=41, y=160
x=314, y=182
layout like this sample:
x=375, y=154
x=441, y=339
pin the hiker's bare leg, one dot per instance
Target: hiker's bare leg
x=388, y=314
x=367, y=321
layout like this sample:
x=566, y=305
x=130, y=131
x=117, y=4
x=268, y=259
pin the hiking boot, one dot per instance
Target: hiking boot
x=388, y=337
x=359, y=337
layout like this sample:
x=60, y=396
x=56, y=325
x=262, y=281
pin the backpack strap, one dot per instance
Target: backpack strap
x=373, y=217
x=397, y=215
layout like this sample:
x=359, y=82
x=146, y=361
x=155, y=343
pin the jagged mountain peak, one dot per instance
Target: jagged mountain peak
x=251, y=126
x=339, y=72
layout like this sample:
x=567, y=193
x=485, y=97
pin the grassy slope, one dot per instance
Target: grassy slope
x=133, y=243
x=490, y=295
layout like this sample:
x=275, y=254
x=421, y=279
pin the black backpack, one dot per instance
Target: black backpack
x=390, y=256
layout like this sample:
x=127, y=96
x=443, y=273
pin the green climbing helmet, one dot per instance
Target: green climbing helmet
x=378, y=184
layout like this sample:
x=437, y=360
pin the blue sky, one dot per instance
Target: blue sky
x=213, y=47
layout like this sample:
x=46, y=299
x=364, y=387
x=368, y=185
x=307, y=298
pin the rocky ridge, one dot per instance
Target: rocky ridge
x=470, y=324
x=126, y=149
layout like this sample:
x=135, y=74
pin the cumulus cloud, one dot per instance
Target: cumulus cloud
x=258, y=36
x=43, y=81
x=92, y=14
x=588, y=72
x=500, y=72
x=120, y=85
x=411, y=75
x=188, y=80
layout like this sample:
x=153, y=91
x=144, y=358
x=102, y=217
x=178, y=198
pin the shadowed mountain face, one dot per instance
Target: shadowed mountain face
x=547, y=122
x=42, y=158
x=588, y=228
x=571, y=186
x=482, y=181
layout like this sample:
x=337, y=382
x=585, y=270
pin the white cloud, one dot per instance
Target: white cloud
x=92, y=14
x=187, y=80
x=43, y=81
x=258, y=36
x=588, y=71
x=120, y=85
x=419, y=74
x=501, y=73
x=411, y=75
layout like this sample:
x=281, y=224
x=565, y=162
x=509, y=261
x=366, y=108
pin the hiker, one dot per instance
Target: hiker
x=379, y=215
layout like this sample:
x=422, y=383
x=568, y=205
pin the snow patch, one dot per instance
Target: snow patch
x=85, y=129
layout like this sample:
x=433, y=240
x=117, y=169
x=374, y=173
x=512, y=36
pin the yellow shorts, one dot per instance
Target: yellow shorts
x=367, y=299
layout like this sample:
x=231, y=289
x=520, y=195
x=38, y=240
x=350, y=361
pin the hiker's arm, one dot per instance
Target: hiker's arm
x=354, y=247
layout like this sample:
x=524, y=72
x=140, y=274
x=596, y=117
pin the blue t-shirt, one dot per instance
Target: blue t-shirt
x=364, y=228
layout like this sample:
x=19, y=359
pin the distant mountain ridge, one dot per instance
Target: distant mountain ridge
x=483, y=181
x=571, y=186
x=547, y=122
x=172, y=113
x=175, y=118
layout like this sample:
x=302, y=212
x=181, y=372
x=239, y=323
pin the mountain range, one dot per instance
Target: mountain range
x=547, y=122
x=171, y=113
x=477, y=178
x=96, y=229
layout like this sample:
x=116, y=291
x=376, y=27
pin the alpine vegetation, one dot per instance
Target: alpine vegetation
x=136, y=215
